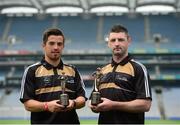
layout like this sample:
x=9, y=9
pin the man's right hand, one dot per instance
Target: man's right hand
x=54, y=106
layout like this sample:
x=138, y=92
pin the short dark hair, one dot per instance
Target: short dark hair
x=52, y=31
x=119, y=28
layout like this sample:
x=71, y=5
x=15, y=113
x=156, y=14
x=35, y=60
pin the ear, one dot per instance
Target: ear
x=129, y=40
x=108, y=42
x=43, y=45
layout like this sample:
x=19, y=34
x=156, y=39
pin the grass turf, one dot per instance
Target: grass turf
x=93, y=122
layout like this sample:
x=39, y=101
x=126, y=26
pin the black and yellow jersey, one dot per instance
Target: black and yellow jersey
x=124, y=81
x=41, y=81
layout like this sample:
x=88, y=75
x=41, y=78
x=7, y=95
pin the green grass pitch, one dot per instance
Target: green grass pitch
x=175, y=122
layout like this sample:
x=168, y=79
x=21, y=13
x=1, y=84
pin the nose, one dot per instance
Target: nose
x=56, y=46
x=116, y=42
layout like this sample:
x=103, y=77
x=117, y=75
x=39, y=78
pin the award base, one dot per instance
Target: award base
x=96, y=98
x=64, y=99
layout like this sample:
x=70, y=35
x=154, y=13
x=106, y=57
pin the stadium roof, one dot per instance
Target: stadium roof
x=88, y=6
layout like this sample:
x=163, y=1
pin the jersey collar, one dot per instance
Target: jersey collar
x=123, y=62
x=49, y=66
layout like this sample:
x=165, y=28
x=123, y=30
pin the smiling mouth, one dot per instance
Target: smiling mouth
x=55, y=52
x=117, y=49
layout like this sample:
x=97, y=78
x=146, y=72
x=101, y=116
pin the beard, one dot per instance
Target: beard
x=54, y=56
x=119, y=52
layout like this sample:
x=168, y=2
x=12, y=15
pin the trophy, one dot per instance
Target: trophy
x=96, y=97
x=64, y=98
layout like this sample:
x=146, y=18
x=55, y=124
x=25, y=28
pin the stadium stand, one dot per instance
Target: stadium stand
x=155, y=44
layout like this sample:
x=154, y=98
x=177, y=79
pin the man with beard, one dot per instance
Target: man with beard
x=124, y=84
x=41, y=85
